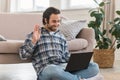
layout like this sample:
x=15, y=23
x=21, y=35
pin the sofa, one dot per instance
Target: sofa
x=16, y=26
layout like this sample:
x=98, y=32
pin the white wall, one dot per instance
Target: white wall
x=17, y=26
x=117, y=6
x=77, y=15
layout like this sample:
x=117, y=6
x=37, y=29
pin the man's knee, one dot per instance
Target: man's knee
x=51, y=70
x=94, y=67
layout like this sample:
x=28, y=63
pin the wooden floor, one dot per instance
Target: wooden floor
x=112, y=73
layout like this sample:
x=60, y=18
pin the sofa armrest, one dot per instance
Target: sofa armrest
x=11, y=58
x=89, y=35
x=9, y=52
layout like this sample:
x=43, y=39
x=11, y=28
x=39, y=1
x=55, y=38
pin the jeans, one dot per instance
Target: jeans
x=56, y=72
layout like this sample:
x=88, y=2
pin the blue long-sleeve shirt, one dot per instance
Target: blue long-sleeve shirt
x=50, y=49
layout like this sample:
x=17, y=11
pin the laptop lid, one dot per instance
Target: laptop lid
x=78, y=61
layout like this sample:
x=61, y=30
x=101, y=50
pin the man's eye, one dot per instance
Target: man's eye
x=56, y=21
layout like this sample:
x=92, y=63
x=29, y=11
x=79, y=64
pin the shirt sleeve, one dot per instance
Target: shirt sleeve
x=27, y=49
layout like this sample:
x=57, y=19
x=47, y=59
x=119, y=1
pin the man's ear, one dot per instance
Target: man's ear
x=46, y=21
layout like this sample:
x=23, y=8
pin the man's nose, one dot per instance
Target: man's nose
x=57, y=24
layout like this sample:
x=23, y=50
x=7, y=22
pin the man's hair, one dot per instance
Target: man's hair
x=47, y=13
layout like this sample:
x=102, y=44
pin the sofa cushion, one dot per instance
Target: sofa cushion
x=77, y=44
x=10, y=46
x=70, y=28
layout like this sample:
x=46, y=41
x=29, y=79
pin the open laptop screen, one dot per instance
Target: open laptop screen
x=78, y=61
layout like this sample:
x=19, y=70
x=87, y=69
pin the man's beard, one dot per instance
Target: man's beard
x=51, y=28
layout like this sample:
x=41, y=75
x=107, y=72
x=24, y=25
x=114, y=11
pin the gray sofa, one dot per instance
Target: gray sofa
x=21, y=24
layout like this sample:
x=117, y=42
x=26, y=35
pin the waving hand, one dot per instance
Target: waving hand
x=36, y=34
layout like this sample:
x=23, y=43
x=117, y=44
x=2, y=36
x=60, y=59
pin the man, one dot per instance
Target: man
x=47, y=48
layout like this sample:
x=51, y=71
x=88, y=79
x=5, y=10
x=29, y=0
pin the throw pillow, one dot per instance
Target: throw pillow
x=71, y=28
x=2, y=38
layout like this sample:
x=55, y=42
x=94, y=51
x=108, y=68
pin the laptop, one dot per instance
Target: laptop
x=78, y=61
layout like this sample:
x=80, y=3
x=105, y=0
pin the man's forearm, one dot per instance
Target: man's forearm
x=26, y=51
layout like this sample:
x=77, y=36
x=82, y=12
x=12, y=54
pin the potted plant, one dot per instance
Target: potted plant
x=104, y=54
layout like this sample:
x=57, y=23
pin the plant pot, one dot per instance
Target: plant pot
x=104, y=57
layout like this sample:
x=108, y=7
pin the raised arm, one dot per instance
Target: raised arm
x=26, y=51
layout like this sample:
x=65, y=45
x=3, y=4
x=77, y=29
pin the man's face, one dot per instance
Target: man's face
x=54, y=22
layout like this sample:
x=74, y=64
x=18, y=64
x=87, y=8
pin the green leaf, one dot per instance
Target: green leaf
x=118, y=12
x=109, y=40
x=118, y=46
x=91, y=24
x=96, y=30
x=116, y=19
x=97, y=37
x=102, y=10
x=99, y=19
x=92, y=14
x=104, y=32
x=101, y=4
x=99, y=44
x=106, y=45
x=115, y=31
x=111, y=30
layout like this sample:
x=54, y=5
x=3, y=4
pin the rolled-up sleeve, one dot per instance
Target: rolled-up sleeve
x=27, y=49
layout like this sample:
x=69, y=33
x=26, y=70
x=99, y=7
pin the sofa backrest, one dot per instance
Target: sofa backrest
x=17, y=26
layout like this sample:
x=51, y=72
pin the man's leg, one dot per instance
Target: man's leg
x=54, y=72
x=91, y=71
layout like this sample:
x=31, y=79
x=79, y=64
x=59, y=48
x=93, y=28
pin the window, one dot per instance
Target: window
x=30, y=5
x=40, y=5
x=23, y=5
x=83, y=4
